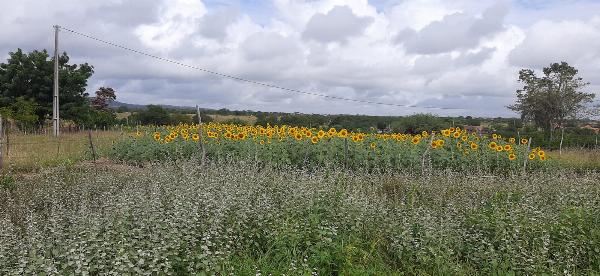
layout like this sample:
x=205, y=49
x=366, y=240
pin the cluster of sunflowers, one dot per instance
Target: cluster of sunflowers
x=454, y=140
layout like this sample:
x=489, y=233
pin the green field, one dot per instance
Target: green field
x=239, y=215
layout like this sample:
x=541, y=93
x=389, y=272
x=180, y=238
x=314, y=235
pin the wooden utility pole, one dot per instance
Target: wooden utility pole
x=55, y=103
x=1, y=140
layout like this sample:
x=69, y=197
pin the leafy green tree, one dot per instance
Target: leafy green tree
x=418, y=123
x=22, y=111
x=553, y=98
x=30, y=75
x=153, y=114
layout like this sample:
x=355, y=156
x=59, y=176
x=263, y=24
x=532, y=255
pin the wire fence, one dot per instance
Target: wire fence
x=21, y=150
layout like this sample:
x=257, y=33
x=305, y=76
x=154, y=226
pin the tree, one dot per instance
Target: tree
x=153, y=114
x=104, y=96
x=553, y=98
x=31, y=76
x=418, y=123
x=22, y=111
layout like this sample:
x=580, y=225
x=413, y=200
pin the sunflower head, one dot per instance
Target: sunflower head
x=195, y=137
x=321, y=134
x=372, y=145
x=512, y=157
x=314, y=139
x=415, y=140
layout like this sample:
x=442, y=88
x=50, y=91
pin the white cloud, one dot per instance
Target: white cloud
x=547, y=42
x=338, y=25
x=458, y=53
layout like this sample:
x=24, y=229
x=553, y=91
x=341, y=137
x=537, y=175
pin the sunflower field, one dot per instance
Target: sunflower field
x=278, y=146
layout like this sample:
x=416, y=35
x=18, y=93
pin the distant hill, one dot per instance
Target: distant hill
x=135, y=107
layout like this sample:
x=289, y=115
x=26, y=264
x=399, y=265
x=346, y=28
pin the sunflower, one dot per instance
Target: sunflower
x=531, y=156
x=308, y=133
x=195, y=137
x=499, y=148
x=415, y=140
x=474, y=146
x=157, y=136
x=314, y=139
x=494, y=136
x=372, y=145
x=343, y=133
x=452, y=129
x=434, y=144
x=512, y=157
x=446, y=132
x=456, y=134
x=241, y=136
x=362, y=136
x=493, y=145
x=511, y=140
x=464, y=138
x=354, y=138
x=440, y=143
x=507, y=148
x=298, y=136
x=262, y=142
x=543, y=158
x=541, y=153
x=524, y=141
x=321, y=134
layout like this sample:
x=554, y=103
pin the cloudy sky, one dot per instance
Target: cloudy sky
x=462, y=55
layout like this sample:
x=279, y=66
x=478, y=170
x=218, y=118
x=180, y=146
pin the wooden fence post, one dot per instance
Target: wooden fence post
x=527, y=155
x=200, y=140
x=425, y=153
x=7, y=145
x=562, y=136
x=346, y=153
x=92, y=146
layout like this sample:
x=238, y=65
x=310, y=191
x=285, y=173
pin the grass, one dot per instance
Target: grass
x=249, y=119
x=30, y=152
x=234, y=218
x=578, y=159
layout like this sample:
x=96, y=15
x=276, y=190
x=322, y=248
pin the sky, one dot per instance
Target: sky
x=442, y=57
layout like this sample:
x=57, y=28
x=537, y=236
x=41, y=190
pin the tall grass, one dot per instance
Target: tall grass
x=30, y=152
x=233, y=218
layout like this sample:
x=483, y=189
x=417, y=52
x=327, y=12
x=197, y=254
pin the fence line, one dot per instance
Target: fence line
x=53, y=149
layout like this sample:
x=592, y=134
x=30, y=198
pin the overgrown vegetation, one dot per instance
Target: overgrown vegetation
x=179, y=218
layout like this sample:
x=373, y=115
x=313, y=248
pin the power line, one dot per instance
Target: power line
x=242, y=79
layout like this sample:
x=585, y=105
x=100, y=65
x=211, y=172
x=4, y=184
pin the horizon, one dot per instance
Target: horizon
x=459, y=54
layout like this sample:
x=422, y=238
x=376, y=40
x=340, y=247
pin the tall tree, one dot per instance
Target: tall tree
x=553, y=98
x=30, y=76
